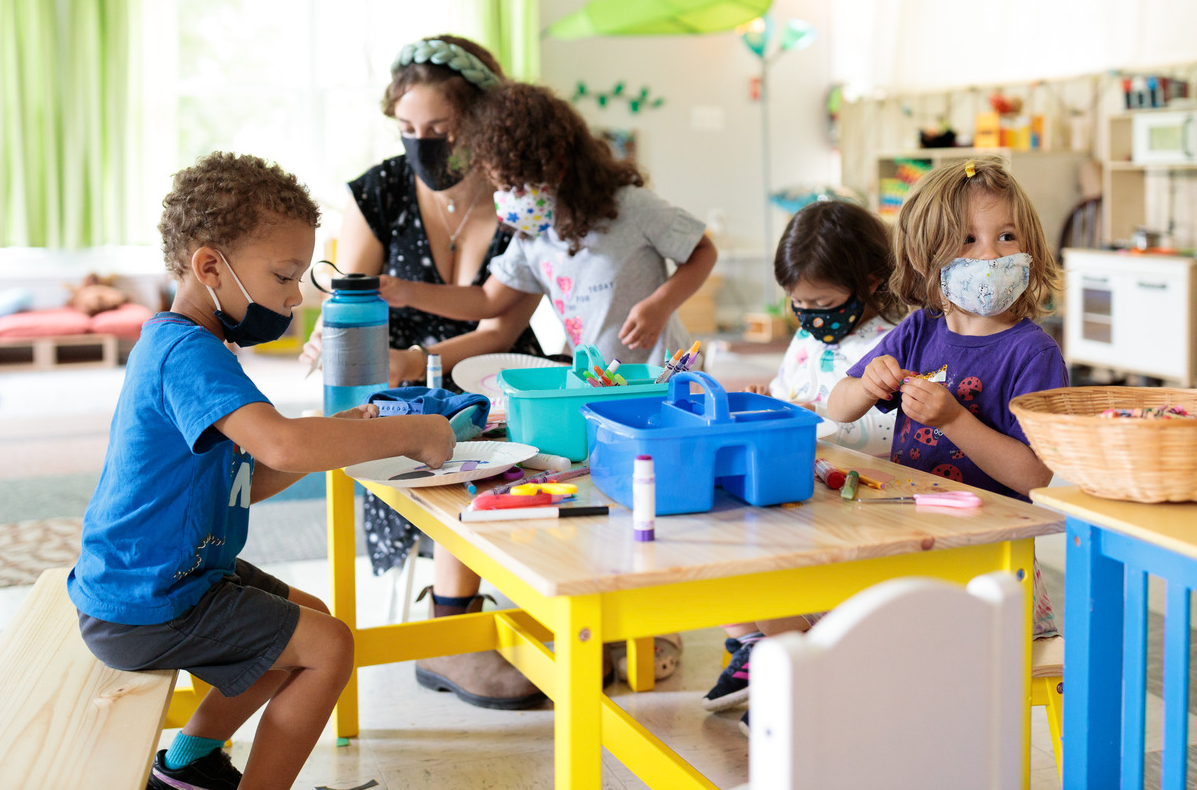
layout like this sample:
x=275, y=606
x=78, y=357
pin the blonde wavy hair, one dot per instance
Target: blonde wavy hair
x=933, y=225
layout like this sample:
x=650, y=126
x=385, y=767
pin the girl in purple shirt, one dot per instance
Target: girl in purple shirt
x=970, y=252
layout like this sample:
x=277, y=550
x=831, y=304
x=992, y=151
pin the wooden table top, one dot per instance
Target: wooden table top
x=597, y=554
x=1170, y=525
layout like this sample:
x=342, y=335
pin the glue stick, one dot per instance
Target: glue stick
x=433, y=373
x=825, y=471
x=644, y=498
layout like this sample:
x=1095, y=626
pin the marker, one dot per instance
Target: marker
x=670, y=366
x=543, y=477
x=590, y=379
x=850, y=482
x=614, y=366
x=620, y=380
x=602, y=376
x=527, y=513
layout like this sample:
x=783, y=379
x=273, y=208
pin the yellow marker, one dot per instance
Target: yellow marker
x=850, y=482
x=869, y=482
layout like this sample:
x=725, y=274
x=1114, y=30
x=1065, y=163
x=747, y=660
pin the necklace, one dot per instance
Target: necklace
x=445, y=220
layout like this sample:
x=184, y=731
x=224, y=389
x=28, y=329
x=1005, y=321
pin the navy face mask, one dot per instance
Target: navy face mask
x=832, y=325
x=260, y=324
x=429, y=157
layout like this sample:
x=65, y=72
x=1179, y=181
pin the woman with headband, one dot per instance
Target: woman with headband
x=420, y=217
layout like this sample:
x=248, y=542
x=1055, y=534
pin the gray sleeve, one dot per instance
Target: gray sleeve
x=672, y=231
x=512, y=268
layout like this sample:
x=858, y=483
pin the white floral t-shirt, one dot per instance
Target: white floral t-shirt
x=809, y=371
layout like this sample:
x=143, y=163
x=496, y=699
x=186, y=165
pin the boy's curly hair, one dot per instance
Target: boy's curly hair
x=522, y=134
x=841, y=244
x=933, y=224
x=224, y=198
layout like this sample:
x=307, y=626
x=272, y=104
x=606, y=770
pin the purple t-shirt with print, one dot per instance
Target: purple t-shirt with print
x=983, y=372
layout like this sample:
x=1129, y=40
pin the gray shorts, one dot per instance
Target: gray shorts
x=229, y=639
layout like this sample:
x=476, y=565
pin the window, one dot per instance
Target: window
x=294, y=81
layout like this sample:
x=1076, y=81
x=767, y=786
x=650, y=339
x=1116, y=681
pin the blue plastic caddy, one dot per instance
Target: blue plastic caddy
x=543, y=403
x=758, y=448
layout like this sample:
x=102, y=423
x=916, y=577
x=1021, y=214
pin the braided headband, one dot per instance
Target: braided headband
x=442, y=53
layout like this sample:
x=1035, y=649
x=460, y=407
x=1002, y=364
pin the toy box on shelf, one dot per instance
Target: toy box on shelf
x=757, y=448
x=543, y=403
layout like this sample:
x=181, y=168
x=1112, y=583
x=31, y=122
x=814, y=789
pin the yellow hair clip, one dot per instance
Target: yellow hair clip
x=970, y=169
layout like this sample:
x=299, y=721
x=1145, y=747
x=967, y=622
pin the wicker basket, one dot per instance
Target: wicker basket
x=1142, y=460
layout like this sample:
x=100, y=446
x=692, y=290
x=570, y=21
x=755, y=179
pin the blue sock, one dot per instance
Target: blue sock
x=186, y=749
x=445, y=600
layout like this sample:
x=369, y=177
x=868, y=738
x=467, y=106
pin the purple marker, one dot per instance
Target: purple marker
x=644, y=498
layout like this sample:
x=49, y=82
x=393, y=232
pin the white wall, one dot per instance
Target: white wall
x=711, y=172
x=924, y=45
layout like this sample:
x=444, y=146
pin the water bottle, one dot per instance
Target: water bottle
x=356, y=342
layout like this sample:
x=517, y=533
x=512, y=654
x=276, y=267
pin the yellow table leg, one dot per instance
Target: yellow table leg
x=577, y=728
x=1021, y=563
x=343, y=602
x=641, y=664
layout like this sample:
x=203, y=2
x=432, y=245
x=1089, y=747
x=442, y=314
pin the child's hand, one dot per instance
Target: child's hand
x=643, y=326
x=436, y=441
x=929, y=403
x=394, y=291
x=882, y=377
x=758, y=389
x=366, y=411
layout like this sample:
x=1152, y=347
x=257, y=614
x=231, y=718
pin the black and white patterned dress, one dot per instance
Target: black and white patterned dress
x=386, y=195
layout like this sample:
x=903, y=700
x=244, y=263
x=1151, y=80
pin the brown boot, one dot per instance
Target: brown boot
x=484, y=679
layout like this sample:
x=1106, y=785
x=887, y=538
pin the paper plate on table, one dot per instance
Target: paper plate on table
x=470, y=461
x=481, y=374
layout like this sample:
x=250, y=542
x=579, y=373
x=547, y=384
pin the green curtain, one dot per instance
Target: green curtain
x=65, y=68
x=511, y=30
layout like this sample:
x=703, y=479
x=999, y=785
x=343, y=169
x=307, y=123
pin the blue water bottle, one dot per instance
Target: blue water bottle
x=355, y=342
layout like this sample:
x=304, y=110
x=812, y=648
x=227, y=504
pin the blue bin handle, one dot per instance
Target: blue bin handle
x=714, y=407
x=586, y=357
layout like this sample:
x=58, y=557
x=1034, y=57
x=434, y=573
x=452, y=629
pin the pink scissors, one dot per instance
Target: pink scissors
x=957, y=499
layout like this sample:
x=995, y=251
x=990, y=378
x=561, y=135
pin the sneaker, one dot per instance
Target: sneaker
x=732, y=687
x=212, y=772
x=744, y=724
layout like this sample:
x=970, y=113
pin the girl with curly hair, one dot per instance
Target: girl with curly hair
x=590, y=236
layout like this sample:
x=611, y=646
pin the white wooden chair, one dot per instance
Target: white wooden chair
x=913, y=683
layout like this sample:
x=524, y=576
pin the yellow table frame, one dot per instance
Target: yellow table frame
x=571, y=676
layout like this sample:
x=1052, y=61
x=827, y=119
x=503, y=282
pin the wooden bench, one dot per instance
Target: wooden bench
x=66, y=720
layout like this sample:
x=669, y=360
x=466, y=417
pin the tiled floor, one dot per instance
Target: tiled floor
x=412, y=737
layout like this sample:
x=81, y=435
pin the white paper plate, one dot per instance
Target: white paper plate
x=481, y=374
x=482, y=459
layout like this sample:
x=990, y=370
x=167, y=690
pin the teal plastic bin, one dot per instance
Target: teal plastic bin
x=758, y=448
x=543, y=403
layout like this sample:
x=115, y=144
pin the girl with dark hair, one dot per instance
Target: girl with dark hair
x=590, y=236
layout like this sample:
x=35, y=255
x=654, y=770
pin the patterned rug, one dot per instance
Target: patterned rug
x=29, y=547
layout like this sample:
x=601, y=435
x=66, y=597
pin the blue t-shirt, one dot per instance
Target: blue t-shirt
x=171, y=511
x=983, y=372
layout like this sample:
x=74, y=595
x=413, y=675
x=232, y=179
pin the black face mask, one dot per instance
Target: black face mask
x=429, y=157
x=260, y=324
x=832, y=325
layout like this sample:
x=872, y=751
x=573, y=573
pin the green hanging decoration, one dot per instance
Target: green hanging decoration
x=636, y=101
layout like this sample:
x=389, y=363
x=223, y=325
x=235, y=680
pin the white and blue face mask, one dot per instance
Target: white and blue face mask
x=986, y=287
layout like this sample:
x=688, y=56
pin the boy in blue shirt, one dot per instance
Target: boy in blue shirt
x=158, y=584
